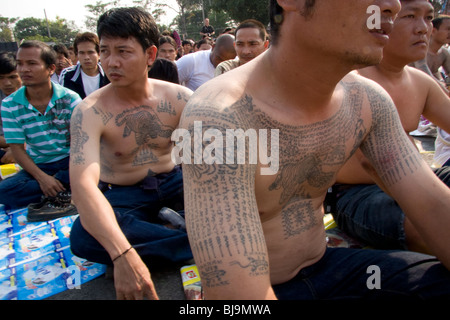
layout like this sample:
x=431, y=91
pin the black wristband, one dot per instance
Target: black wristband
x=122, y=254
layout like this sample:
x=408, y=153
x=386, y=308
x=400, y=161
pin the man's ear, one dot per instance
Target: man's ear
x=152, y=53
x=52, y=69
x=289, y=5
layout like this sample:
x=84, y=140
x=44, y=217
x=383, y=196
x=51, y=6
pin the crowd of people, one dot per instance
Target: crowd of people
x=92, y=133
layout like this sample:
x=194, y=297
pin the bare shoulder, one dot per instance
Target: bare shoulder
x=371, y=88
x=169, y=90
x=444, y=52
x=215, y=102
x=364, y=77
x=418, y=74
x=96, y=98
x=92, y=111
x=425, y=83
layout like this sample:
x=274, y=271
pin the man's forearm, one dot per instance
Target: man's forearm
x=3, y=143
x=97, y=216
x=24, y=160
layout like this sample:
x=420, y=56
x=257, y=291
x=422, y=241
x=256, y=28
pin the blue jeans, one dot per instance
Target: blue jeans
x=344, y=273
x=368, y=214
x=22, y=189
x=136, y=209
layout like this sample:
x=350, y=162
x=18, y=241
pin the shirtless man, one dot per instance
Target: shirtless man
x=439, y=56
x=257, y=236
x=362, y=208
x=121, y=142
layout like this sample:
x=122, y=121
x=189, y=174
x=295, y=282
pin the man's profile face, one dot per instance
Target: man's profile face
x=442, y=35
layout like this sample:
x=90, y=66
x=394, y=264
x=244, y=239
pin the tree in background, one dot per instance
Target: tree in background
x=240, y=10
x=221, y=13
x=6, y=33
x=96, y=10
x=188, y=22
x=59, y=31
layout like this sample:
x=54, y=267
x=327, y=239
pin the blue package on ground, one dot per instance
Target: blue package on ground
x=41, y=278
x=35, y=258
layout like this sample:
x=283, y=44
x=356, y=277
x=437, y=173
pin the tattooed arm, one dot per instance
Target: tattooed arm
x=422, y=196
x=131, y=276
x=223, y=222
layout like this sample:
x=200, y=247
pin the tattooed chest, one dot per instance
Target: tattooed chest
x=140, y=134
x=310, y=159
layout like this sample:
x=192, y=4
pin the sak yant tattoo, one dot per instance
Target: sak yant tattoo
x=104, y=115
x=144, y=123
x=78, y=139
x=392, y=161
x=182, y=97
x=222, y=214
x=166, y=107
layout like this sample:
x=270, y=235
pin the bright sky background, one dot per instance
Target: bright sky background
x=71, y=10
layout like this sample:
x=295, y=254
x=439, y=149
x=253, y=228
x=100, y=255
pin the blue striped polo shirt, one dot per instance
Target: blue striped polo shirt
x=47, y=136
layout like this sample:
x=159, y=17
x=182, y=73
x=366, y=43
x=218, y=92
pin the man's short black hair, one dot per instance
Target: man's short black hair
x=86, y=37
x=129, y=22
x=8, y=62
x=437, y=22
x=61, y=49
x=254, y=24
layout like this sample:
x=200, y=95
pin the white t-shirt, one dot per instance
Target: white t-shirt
x=195, y=69
x=90, y=84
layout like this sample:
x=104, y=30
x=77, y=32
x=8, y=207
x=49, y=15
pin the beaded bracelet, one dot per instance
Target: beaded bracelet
x=122, y=254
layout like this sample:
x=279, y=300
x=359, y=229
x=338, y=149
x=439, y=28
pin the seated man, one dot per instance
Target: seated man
x=438, y=55
x=362, y=209
x=9, y=83
x=86, y=76
x=256, y=231
x=121, y=170
x=38, y=115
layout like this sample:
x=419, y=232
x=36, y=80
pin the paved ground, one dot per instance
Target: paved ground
x=167, y=278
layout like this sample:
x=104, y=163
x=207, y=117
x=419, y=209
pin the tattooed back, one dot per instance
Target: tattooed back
x=132, y=138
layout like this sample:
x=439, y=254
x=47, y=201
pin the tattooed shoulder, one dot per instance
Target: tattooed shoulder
x=183, y=96
x=104, y=115
x=78, y=138
x=388, y=147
